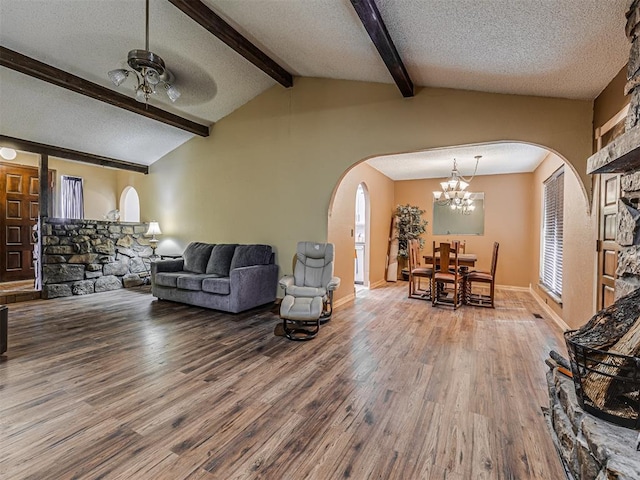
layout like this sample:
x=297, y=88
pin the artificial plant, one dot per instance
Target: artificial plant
x=410, y=226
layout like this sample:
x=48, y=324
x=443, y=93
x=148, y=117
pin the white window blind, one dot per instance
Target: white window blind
x=552, y=233
x=72, y=197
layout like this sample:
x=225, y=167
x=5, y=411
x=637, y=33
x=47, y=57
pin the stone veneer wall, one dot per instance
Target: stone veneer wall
x=590, y=448
x=628, y=236
x=80, y=257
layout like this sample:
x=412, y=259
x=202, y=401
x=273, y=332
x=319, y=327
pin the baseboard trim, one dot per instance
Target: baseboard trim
x=512, y=288
x=554, y=316
x=344, y=300
x=378, y=284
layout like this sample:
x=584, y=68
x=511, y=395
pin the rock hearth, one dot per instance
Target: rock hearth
x=81, y=257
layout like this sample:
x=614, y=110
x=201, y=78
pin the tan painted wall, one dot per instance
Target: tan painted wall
x=611, y=100
x=268, y=170
x=579, y=259
x=100, y=183
x=342, y=219
x=507, y=221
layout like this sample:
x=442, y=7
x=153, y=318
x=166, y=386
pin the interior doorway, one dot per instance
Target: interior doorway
x=19, y=209
x=19, y=214
x=361, y=237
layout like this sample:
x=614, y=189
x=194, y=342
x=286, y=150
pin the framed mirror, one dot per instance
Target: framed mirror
x=448, y=221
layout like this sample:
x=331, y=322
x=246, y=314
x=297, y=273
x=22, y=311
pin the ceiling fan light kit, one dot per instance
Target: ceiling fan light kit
x=149, y=70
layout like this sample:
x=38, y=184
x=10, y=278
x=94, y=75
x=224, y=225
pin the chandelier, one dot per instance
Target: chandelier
x=454, y=191
x=149, y=71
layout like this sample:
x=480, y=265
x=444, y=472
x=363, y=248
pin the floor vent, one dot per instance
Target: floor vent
x=537, y=315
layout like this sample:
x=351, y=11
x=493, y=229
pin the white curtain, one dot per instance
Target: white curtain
x=72, y=197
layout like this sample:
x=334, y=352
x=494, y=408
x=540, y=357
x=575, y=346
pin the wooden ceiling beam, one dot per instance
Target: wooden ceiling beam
x=67, y=154
x=34, y=68
x=377, y=30
x=203, y=15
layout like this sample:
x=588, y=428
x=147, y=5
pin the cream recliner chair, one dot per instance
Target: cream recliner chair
x=308, y=293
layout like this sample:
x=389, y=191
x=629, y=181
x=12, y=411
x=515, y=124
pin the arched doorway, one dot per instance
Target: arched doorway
x=512, y=217
x=129, y=205
x=361, y=237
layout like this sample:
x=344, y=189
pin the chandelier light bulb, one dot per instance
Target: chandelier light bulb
x=172, y=92
x=118, y=76
x=152, y=76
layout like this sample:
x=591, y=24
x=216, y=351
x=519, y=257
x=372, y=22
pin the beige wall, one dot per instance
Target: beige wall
x=380, y=190
x=611, y=100
x=507, y=221
x=100, y=183
x=579, y=259
x=268, y=171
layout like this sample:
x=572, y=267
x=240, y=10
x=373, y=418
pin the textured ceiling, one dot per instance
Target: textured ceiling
x=561, y=48
x=496, y=158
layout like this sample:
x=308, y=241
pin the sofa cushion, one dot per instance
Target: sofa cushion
x=192, y=281
x=221, y=285
x=248, y=255
x=196, y=256
x=167, y=279
x=220, y=259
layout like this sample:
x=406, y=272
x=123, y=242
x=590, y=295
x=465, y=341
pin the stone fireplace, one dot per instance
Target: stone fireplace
x=592, y=448
x=622, y=156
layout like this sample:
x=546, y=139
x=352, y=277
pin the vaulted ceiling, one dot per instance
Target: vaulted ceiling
x=557, y=48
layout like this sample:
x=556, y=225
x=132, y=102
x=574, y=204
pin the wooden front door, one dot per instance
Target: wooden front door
x=608, y=193
x=19, y=208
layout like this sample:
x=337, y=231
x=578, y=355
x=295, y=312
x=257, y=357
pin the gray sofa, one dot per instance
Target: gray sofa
x=227, y=277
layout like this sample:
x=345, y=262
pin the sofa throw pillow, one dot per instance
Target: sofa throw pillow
x=196, y=256
x=220, y=260
x=247, y=255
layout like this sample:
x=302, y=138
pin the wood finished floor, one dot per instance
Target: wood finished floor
x=120, y=385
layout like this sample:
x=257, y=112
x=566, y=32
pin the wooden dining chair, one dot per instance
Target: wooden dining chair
x=447, y=281
x=481, y=299
x=418, y=272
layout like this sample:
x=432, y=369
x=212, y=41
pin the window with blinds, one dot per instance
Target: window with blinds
x=552, y=233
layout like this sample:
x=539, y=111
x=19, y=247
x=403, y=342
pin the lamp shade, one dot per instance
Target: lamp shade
x=154, y=229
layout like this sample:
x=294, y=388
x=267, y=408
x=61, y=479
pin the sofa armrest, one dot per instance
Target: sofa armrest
x=333, y=284
x=286, y=282
x=252, y=286
x=175, y=265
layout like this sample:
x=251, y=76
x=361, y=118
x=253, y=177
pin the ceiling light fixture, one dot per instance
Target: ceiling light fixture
x=454, y=191
x=8, y=153
x=149, y=70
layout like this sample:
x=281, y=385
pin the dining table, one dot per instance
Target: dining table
x=464, y=259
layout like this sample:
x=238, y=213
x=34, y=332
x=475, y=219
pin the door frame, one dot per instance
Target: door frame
x=605, y=207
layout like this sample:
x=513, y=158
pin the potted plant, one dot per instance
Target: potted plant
x=410, y=226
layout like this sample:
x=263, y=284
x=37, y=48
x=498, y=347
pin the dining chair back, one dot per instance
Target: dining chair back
x=481, y=298
x=447, y=283
x=417, y=272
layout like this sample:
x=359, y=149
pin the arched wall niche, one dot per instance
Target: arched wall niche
x=129, y=205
